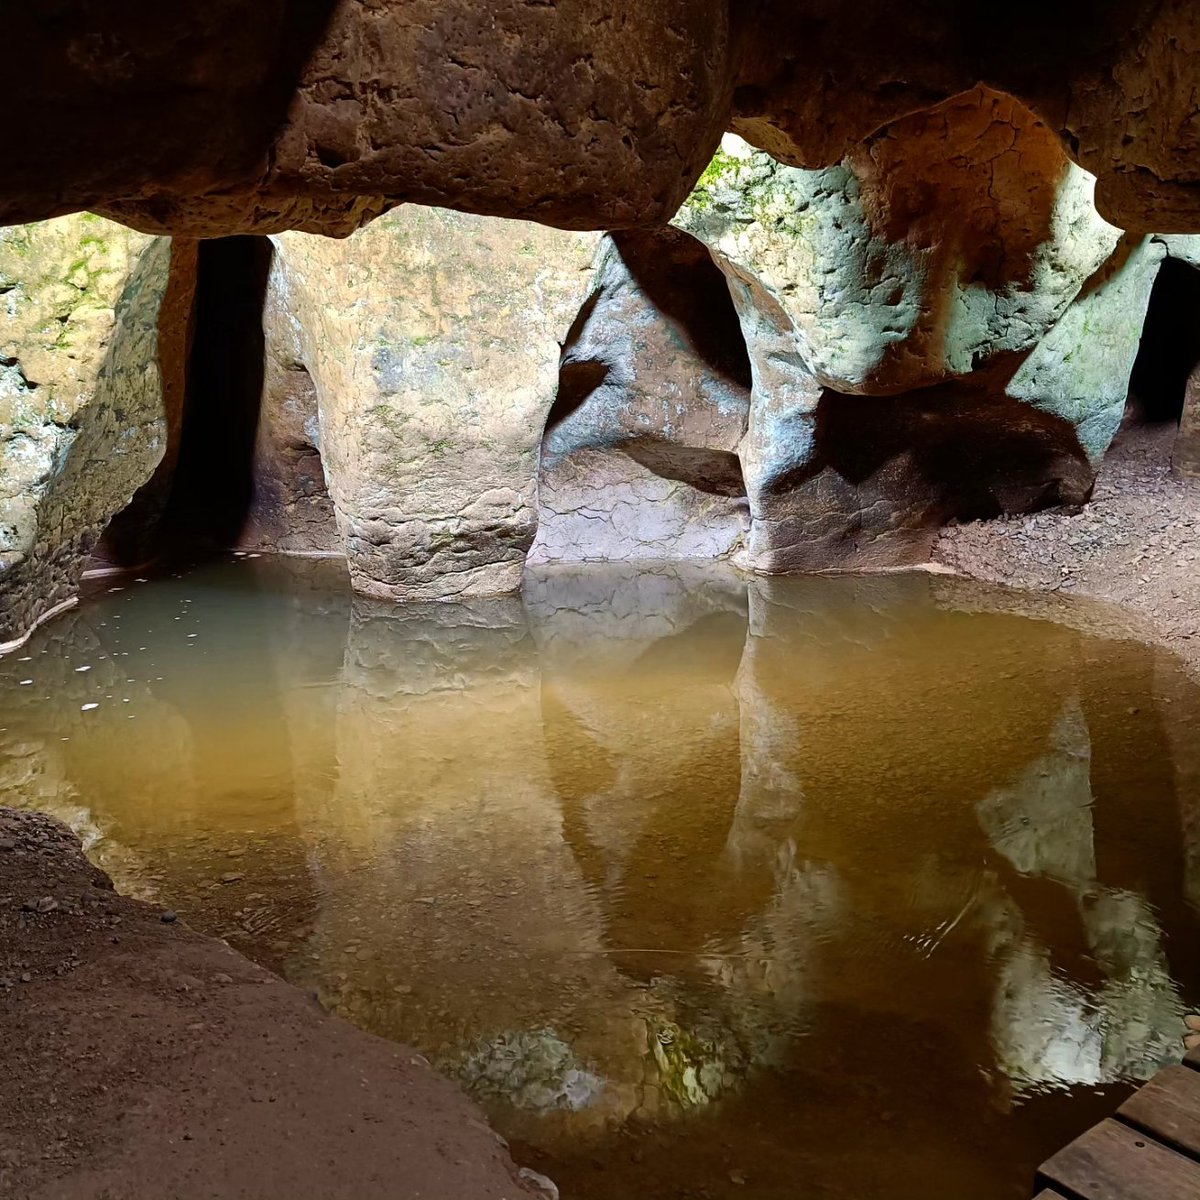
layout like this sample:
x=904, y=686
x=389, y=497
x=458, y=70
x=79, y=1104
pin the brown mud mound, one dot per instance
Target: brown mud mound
x=141, y=1060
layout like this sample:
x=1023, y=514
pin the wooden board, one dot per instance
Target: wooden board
x=1168, y=1108
x=1114, y=1162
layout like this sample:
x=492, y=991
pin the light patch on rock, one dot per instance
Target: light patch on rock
x=1080, y=370
x=82, y=420
x=432, y=339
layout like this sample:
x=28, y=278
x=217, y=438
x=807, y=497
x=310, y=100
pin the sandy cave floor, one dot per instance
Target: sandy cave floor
x=141, y=1060
x=1135, y=544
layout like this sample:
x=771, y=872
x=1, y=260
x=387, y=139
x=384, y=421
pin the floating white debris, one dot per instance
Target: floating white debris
x=80, y=670
x=88, y=707
x=25, y=681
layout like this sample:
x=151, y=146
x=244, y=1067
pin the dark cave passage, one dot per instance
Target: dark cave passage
x=1170, y=346
x=214, y=482
x=242, y=466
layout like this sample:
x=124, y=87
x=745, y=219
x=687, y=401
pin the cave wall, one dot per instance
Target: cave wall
x=90, y=356
x=810, y=369
x=941, y=325
x=640, y=454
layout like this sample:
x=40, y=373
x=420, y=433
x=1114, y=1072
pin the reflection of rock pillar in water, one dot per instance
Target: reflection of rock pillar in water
x=770, y=794
x=1178, y=700
x=1046, y=1029
x=1042, y=822
x=454, y=916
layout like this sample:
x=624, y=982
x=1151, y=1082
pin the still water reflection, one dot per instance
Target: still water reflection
x=704, y=888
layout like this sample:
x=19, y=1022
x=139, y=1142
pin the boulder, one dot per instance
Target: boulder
x=432, y=340
x=89, y=351
x=639, y=459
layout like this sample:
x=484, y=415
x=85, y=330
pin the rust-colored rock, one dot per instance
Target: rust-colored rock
x=1115, y=80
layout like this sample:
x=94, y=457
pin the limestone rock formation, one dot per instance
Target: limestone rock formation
x=640, y=459
x=1079, y=371
x=954, y=236
x=320, y=114
x=432, y=340
x=941, y=325
x=290, y=509
x=1107, y=78
x=84, y=361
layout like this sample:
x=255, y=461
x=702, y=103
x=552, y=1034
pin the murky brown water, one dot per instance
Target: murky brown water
x=795, y=888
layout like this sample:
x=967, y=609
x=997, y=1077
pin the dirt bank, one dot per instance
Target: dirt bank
x=142, y=1061
x=1134, y=544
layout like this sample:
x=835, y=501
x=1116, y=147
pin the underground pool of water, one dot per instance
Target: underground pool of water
x=701, y=886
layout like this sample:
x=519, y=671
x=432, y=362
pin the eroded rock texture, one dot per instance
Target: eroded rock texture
x=84, y=362
x=321, y=114
x=290, y=509
x=952, y=237
x=1114, y=80
x=432, y=341
x=639, y=458
x=941, y=325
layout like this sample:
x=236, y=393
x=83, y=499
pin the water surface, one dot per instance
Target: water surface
x=703, y=887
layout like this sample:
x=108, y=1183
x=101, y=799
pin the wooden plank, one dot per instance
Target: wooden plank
x=1168, y=1108
x=1114, y=1162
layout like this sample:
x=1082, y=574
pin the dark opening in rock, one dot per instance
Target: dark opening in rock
x=1170, y=347
x=214, y=481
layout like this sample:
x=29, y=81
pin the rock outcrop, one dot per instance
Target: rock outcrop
x=640, y=454
x=91, y=358
x=290, y=509
x=321, y=114
x=954, y=270
x=432, y=342
x=952, y=237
